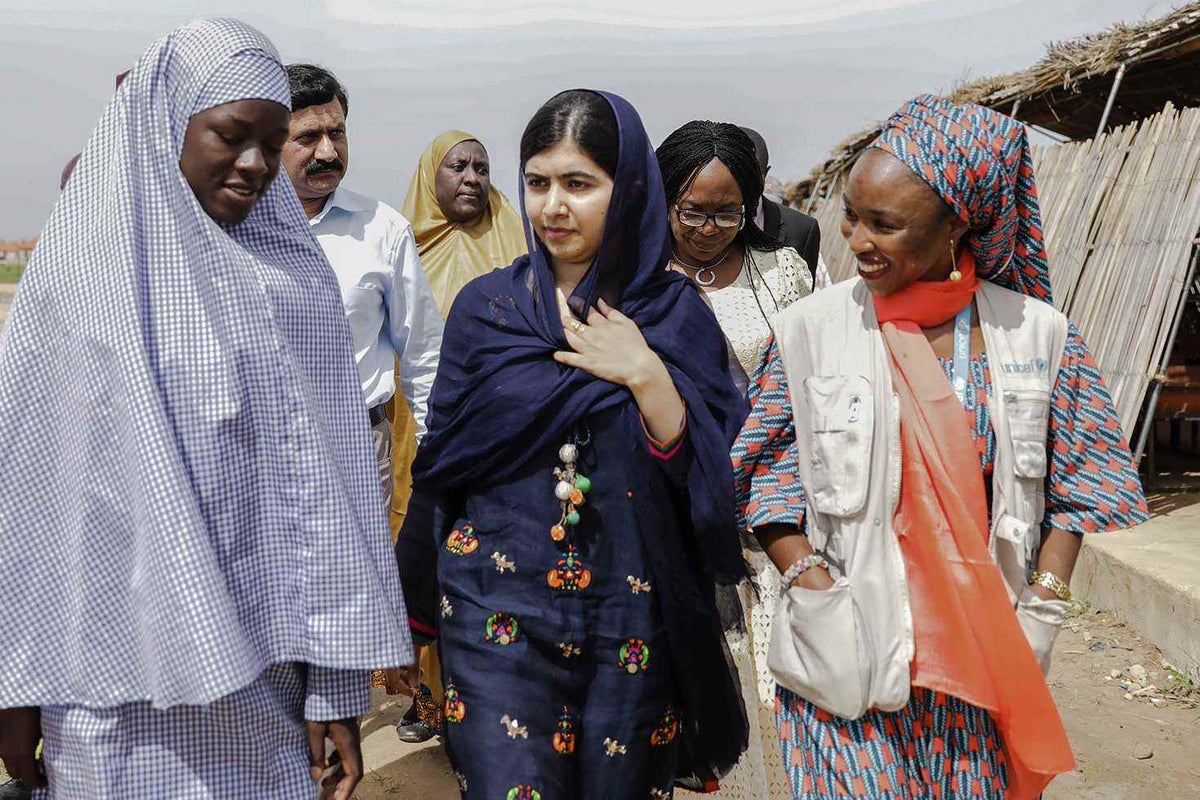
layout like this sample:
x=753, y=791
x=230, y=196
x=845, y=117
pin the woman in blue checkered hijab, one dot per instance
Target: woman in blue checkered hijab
x=195, y=574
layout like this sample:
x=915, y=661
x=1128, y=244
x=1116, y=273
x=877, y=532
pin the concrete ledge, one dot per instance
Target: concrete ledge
x=1149, y=576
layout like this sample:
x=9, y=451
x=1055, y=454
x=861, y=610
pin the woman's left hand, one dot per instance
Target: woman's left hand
x=609, y=346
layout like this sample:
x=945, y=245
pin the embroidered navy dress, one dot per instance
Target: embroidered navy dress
x=554, y=653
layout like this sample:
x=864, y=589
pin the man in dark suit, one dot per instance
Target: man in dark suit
x=796, y=230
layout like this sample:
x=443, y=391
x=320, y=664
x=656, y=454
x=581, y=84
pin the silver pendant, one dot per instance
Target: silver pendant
x=703, y=281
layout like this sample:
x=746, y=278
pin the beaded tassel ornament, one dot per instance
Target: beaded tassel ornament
x=569, y=490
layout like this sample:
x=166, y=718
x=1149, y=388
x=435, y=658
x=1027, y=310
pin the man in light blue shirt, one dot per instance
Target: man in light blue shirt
x=391, y=309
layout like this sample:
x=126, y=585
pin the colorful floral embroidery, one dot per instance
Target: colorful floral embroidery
x=569, y=649
x=613, y=748
x=447, y=609
x=564, y=734
x=455, y=710
x=570, y=575
x=462, y=541
x=633, y=656
x=523, y=792
x=503, y=564
x=667, y=730
x=502, y=628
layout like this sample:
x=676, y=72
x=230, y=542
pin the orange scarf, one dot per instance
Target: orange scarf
x=930, y=303
x=968, y=641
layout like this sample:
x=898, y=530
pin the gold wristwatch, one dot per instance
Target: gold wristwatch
x=1052, y=582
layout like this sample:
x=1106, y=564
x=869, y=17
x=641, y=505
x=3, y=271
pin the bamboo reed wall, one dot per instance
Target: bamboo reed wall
x=1121, y=215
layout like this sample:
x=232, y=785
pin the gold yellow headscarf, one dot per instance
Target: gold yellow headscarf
x=454, y=254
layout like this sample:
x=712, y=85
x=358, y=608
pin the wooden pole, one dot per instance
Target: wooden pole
x=816, y=190
x=1148, y=419
x=1112, y=98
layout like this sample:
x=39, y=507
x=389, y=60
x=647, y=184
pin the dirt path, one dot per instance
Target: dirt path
x=1144, y=748
x=1112, y=736
x=1126, y=749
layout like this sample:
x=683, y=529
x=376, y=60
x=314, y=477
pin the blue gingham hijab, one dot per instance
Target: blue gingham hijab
x=190, y=491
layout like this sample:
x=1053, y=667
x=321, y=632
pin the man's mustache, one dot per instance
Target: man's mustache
x=317, y=167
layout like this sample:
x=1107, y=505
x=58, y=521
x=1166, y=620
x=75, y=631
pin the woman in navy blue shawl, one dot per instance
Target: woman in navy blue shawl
x=590, y=665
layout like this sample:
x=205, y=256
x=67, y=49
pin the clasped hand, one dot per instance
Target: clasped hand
x=608, y=345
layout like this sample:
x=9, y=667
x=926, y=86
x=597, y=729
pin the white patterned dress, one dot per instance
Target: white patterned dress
x=769, y=282
x=218, y=569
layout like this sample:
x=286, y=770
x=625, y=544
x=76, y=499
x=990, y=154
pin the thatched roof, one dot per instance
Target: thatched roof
x=1067, y=90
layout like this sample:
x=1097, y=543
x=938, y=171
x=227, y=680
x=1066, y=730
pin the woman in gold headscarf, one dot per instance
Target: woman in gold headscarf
x=464, y=228
x=464, y=225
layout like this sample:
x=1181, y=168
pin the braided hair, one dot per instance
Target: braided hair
x=689, y=149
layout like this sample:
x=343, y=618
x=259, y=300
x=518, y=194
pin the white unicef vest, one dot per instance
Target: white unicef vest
x=848, y=649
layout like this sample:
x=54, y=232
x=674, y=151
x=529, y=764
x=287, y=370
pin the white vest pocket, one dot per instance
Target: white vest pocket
x=841, y=425
x=1028, y=413
x=815, y=649
x=1012, y=548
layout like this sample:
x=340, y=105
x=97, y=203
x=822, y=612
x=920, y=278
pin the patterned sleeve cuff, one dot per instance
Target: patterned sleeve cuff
x=1104, y=519
x=336, y=693
x=1092, y=485
x=774, y=508
x=671, y=447
x=421, y=633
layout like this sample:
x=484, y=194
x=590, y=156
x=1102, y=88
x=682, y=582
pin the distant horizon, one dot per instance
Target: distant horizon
x=804, y=84
x=684, y=15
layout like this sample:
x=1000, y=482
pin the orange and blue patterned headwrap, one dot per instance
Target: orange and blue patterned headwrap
x=978, y=161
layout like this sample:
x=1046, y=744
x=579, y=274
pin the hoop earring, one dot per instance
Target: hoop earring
x=955, y=275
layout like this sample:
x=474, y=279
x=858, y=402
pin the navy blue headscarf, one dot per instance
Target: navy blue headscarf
x=499, y=397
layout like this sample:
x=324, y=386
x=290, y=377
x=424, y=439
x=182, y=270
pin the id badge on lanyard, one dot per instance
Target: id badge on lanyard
x=962, y=353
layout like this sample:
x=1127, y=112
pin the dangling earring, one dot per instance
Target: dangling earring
x=955, y=275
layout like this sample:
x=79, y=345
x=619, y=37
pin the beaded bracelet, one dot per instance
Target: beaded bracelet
x=802, y=565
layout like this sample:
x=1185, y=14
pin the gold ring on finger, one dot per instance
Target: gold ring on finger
x=576, y=326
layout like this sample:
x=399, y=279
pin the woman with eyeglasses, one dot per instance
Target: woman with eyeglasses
x=713, y=183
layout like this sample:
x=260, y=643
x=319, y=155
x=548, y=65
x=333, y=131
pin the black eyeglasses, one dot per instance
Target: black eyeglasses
x=698, y=219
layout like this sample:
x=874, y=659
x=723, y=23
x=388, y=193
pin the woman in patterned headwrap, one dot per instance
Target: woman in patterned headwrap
x=194, y=572
x=911, y=646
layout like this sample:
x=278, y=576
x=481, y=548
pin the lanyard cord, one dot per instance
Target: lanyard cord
x=962, y=352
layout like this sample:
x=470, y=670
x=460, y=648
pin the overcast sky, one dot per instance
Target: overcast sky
x=806, y=73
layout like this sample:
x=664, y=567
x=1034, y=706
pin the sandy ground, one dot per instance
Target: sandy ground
x=1126, y=749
